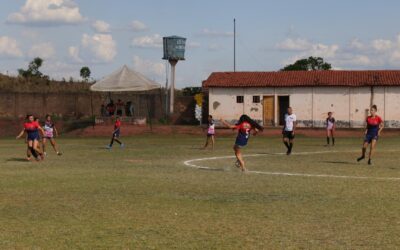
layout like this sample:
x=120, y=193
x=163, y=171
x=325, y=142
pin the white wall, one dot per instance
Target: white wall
x=311, y=105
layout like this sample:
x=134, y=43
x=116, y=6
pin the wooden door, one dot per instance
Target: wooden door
x=268, y=107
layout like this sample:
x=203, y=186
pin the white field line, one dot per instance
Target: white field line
x=190, y=163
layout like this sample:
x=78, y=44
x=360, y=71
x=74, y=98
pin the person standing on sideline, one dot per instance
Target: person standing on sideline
x=120, y=106
x=289, y=130
x=374, y=128
x=210, y=132
x=116, y=133
x=330, y=129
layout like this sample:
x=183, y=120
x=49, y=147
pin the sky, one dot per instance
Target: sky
x=105, y=34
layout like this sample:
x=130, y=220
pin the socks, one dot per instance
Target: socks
x=33, y=151
x=290, y=146
x=333, y=140
x=328, y=140
x=287, y=145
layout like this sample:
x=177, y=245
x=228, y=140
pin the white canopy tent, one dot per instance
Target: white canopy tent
x=126, y=80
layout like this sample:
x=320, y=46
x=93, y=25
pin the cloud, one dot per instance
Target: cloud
x=47, y=13
x=9, y=47
x=213, y=33
x=42, y=50
x=297, y=44
x=214, y=47
x=152, y=41
x=102, y=47
x=73, y=53
x=138, y=26
x=101, y=26
x=193, y=45
x=376, y=53
x=58, y=70
x=154, y=70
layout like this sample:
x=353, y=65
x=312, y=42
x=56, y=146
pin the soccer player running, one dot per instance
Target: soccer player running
x=32, y=128
x=373, y=131
x=244, y=126
x=116, y=133
x=289, y=130
x=330, y=129
x=210, y=132
x=50, y=132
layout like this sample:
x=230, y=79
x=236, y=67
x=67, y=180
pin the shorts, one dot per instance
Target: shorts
x=240, y=142
x=117, y=134
x=210, y=135
x=33, y=137
x=288, y=134
x=369, y=138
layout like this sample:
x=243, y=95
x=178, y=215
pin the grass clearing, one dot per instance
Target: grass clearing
x=143, y=196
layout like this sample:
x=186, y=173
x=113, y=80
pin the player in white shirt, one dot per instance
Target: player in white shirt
x=289, y=130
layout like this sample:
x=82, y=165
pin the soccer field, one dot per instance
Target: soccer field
x=145, y=197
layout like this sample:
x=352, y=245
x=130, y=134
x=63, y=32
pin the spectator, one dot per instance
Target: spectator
x=120, y=107
x=129, y=108
x=111, y=108
x=103, y=110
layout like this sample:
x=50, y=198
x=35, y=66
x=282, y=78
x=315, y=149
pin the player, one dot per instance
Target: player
x=50, y=131
x=32, y=128
x=116, y=133
x=244, y=126
x=373, y=131
x=330, y=129
x=289, y=130
x=210, y=132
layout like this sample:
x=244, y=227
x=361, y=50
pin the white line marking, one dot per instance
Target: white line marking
x=190, y=163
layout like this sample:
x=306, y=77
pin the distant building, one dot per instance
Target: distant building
x=265, y=96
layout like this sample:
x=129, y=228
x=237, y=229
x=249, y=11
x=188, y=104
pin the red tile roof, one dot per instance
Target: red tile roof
x=304, y=78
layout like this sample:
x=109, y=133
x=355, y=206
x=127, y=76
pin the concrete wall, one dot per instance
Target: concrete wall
x=311, y=104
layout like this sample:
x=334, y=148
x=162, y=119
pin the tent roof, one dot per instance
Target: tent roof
x=125, y=79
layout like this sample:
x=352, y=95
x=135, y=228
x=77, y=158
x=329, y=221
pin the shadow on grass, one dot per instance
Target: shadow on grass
x=340, y=162
x=15, y=159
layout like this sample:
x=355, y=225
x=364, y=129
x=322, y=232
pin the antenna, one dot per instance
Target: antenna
x=234, y=45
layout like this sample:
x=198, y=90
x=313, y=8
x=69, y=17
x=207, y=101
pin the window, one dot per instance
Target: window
x=256, y=99
x=239, y=99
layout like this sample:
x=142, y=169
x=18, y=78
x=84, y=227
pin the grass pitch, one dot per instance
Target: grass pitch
x=144, y=197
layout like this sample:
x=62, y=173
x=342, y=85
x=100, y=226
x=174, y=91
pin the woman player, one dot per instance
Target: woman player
x=372, y=133
x=210, y=132
x=50, y=131
x=330, y=129
x=244, y=127
x=116, y=133
x=32, y=128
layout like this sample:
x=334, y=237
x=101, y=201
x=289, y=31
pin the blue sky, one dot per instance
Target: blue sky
x=104, y=35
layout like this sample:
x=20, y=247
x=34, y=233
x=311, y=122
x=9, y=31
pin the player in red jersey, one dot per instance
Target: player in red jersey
x=116, y=133
x=32, y=128
x=372, y=133
x=244, y=126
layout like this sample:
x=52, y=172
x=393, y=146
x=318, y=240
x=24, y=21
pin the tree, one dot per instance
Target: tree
x=33, y=69
x=85, y=73
x=308, y=64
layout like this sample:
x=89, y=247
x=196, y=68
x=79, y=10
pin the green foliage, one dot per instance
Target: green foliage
x=33, y=69
x=191, y=91
x=308, y=64
x=85, y=73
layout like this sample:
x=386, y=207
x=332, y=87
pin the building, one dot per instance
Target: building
x=265, y=96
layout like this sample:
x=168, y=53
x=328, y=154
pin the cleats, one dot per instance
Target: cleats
x=360, y=158
x=122, y=145
x=237, y=164
x=59, y=153
x=369, y=162
x=108, y=147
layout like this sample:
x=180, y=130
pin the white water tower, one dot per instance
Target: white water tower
x=174, y=51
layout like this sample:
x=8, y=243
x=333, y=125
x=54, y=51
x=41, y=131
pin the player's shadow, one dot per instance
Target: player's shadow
x=339, y=162
x=15, y=159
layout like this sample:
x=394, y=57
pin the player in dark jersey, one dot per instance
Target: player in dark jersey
x=244, y=126
x=330, y=129
x=116, y=133
x=32, y=128
x=372, y=133
x=50, y=132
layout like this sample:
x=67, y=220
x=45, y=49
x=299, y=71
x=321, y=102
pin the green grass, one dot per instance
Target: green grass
x=143, y=197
